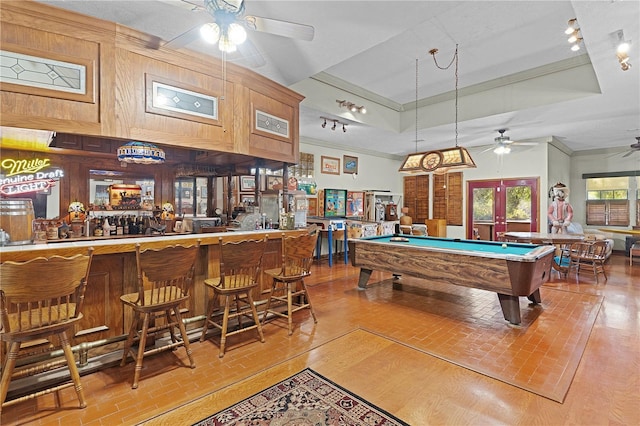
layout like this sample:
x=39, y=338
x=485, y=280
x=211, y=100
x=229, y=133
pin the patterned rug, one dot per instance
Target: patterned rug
x=306, y=398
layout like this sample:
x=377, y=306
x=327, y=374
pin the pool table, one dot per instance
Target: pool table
x=509, y=269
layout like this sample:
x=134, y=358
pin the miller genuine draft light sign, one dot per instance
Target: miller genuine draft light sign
x=24, y=176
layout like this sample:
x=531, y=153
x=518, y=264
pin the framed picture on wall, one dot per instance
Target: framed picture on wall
x=349, y=164
x=329, y=165
x=247, y=183
x=274, y=182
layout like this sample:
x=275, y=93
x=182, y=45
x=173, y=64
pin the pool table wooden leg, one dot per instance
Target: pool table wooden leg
x=510, y=308
x=535, y=297
x=364, y=277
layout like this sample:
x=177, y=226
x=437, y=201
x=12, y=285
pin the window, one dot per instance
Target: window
x=608, y=201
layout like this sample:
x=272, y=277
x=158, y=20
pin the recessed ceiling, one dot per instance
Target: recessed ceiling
x=516, y=70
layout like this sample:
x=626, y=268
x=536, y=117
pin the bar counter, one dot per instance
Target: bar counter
x=113, y=273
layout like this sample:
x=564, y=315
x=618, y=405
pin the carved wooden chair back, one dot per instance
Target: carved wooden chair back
x=41, y=298
x=240, y=263
x=164, y=275
x=297, y=255
x=164, y=278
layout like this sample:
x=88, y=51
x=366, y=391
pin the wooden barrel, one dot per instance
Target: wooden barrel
x=16, y=219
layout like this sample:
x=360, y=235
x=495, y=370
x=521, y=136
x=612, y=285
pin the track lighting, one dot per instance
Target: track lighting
x=622, y=50
x=351, y=106
x=573, y=31
x=335, y=124
x=571, y=27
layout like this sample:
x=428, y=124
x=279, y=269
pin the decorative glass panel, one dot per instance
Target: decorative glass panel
x=33, y=71
x=271, y=124
x=185, y=101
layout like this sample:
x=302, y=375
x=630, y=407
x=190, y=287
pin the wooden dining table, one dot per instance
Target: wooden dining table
x=561, y=241
x=543, y=237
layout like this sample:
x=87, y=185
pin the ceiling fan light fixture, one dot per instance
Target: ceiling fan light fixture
x=502, y=149
x=237, y=34
x=225, y=45
x=210, y=32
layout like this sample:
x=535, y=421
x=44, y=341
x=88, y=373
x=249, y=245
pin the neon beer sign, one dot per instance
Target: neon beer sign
x=25, y=176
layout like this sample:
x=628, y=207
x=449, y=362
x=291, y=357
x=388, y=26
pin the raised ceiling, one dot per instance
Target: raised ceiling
x=516, y=70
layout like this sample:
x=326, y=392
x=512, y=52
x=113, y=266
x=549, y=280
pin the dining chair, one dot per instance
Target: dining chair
x=591, y=254
x=41, y=302
x=239, y=268
x=288, y=288
x=164, y=279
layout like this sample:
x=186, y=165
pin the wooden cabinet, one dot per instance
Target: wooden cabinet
x=436, y=227
x=127, y=88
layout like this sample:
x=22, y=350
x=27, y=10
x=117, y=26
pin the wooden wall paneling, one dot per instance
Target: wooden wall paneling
x=122, y=59
x=39, y=30
x=103, y=312
x=137, y=121
x=269, y=145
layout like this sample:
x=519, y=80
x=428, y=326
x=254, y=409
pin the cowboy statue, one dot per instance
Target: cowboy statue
x=560, y=211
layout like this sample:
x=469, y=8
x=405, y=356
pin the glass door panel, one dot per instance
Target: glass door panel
x=498, y=206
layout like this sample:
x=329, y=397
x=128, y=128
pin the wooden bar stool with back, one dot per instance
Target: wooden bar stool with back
x=164, y=279
x=240, y=264
x=288, y=287
x=41, y=302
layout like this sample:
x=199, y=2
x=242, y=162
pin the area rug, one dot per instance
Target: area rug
x=306, y=398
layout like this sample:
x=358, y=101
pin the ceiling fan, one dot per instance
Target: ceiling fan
x=504, y=143
x=634, y=147
x=223, y=22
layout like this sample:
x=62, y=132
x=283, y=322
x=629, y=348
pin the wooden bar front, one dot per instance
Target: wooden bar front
x=113, y=273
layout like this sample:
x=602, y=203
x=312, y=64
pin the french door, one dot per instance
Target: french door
x=504, y=205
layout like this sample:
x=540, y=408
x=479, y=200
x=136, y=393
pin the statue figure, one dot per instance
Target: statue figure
x=560, y=211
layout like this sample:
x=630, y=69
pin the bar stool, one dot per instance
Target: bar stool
x=297, y=257
x=39, y=299
x=164, y=278
x=240, y=263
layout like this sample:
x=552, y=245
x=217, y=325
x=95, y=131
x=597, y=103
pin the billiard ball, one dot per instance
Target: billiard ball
x=504, y=245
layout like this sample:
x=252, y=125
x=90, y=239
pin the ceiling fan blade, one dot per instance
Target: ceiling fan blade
x=281, y=28
x=183, y=39
x=491, y=148
x=629, y=153
x=251, y=55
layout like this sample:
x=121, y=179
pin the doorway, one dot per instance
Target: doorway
x=499, y=206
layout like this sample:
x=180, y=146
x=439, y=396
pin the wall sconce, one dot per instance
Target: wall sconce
x=335, y=124
x=351, y=106
x=622, y=50
x=573, y=31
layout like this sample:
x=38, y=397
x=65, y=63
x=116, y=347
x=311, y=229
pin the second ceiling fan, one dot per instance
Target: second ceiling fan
x=504, y=143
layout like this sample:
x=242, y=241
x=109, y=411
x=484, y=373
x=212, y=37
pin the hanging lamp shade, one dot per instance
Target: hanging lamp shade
x=140, y=153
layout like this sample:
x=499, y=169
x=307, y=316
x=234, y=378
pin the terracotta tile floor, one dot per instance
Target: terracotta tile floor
x=453, y=326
